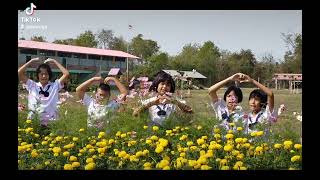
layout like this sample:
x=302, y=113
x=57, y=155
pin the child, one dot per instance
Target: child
x=43, y=95
x=227, y=109
x=162, y=105
x=261, y=103
x=99, y=106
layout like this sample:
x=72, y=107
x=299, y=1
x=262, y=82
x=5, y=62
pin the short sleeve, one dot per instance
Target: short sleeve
x=30, y=84
x=58, y=84
x=86, y=100
x=219, y=103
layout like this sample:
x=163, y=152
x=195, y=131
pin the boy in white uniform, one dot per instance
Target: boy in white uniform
x=100, y=106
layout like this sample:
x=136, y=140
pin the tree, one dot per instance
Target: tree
x=118, y=43
x=293, y=57
x=143, y=48
x=105, y=37
x=38, y=38
x=86, y=39
x=68, y=41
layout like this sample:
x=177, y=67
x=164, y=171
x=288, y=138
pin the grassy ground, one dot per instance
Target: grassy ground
x=73, y=115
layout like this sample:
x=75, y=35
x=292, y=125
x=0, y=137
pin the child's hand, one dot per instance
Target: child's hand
x=107, y=79
x=49, y=60
x=245, y=78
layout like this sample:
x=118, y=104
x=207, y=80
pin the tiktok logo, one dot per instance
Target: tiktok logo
x=30, y=10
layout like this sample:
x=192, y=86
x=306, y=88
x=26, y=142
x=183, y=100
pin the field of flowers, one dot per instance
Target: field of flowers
x=191, y=142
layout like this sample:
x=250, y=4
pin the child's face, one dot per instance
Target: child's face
x=254, y=104
x=231, y=100
x=43, y=76
x=164, y=87
x=102, y=95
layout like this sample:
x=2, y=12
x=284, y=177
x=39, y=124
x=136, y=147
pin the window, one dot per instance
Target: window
x=47, y=53
x=28, y=58
x=64, y=54
x=28, y=51
x=80, y=56
x=93, y=57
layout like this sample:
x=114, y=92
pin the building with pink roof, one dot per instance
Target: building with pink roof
x=82, y=62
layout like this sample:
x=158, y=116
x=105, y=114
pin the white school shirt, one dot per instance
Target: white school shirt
x=222, y=113
x=45, y=107
x=153, y=110
x=97, y=112
x=264, y=116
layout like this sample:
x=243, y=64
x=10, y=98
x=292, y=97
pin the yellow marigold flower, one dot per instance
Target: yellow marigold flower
x=205, y=167
x=168, y=131
x=216, y=130
x=89, y=160
x=235, y=152
x=155, y=128
x=204, y=137
x=243, y=168
x=166, y=168
x=44, y=142
x=260, y=133
x=147, y=164
x=253, y=134
x=154, y=138
x=183, y=137
x=75, y=164
x=67, y=167
x=148, y=141
x=240, y=156
x=295, y=158
x=189, y=143
x=298, y=146
x=59, y=138
x=238, y=140
x=225, y=168
x=56, y=149
x=101, y=150
x=34, y=154
x=118, y=134
x=163, y=142
x=228, y=148
x=199, y=127
x=244, y=140
x=217, y=136
x=239, y=128
x=163, y=163
x=47, y=163
x=287, y=143
x=145, y=152
x=139, y=153
x=231, y=124
x=159, y=149
x=229, y=136
x=200, y=141
x=122, y=154
x=223, y=161
x=145, y=127
x=123, y=135
x=36, y=135
x=90, y=166
x=182, y=154
x=111, y=141
x=66, y=153
x=28, y=121
x=133, y=158
x=259, y=149
x=73, y=158
x=230, y=131
x=81, y=130
x=28, y=130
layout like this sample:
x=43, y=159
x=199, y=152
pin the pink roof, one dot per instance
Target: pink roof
x=287, y=76
x=143, y=79
x=72, y=49
x=114, y=71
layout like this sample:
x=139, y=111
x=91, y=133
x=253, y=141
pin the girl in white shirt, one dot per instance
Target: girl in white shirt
x=227, y=109
x=162, y=104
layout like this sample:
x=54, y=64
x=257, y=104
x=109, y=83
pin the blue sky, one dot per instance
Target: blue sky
x=258, y=30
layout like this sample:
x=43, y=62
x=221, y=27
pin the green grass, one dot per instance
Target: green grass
x=288, y=127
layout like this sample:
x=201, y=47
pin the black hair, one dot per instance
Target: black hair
x=261, y=95
x=104, y=87
x=162, y=77
x=236, y=90
x=44, y=66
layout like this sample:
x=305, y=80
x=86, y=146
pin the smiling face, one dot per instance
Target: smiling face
x=43, y=76
x=164, y=87
x=255, y=104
